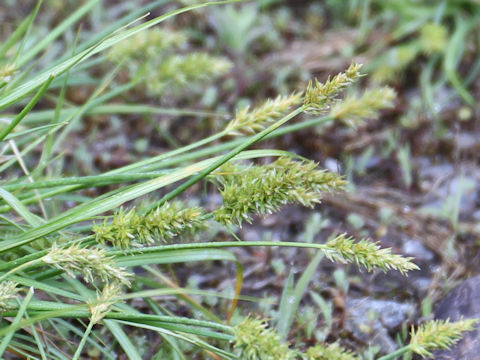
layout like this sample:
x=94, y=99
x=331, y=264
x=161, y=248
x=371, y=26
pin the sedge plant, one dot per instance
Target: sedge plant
x=77, y=265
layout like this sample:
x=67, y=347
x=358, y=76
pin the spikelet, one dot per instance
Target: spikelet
x=173, y=220
x=319, y=96
x=249, y=121
x=264, y=189
x=146, y=44
x=433, y=38
x=438, y=334
x=255, y=341
x=330, y=352
x=394, y=62
x=177, y=71
x=92, y=263
x=101, y=306
x=367, y=254
x=8, y=292
x=165, y=223
x=354, y=111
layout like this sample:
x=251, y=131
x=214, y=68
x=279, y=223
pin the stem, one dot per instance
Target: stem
x=169, y=154
x=83, y=341
x=97, y=180
x=27, y=108
x=214, y=245
x=395, y=354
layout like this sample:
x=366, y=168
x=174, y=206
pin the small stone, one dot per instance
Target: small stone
x=461, y=302
x=371, y=320
x=333, y=165
x=417, y=250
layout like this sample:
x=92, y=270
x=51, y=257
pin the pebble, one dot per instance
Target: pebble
x=371, y=320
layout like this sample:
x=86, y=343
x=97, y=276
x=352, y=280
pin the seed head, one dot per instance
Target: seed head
x=92, y=263
x=438, y=334
x=354, y=111
x=367, y=254
x=255, y=341
x=264, y=189
x=330, y=352
x=169, y=221
x=251, y=121
x=101, y=306
x=319, y=96
x=8, y=292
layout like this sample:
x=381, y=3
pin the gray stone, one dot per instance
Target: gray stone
x=371, y=320
x=417, y=250
x=463, y=301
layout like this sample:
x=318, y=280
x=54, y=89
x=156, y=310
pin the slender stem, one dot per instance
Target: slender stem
x=83, y=341
x=395, y=354
x=98, y=180
x=214, y=245
x=169, y=154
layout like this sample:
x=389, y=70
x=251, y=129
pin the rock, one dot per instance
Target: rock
x=417, y=250
x=462, y=302
x=371, y=320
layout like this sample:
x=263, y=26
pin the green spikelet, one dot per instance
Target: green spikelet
x=367, y=254
x=92, y=263
x=319, y=96
x=255, y=341
x=104, y=301
x=438, y=334
x=330, y=352
x=264, y=189
x=165, y=223
x=146, y=44
x=8, y=292
x=178, y=71
x=355, y=110
x=251, y=121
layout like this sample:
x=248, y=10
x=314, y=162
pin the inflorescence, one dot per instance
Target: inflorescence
x=438, y=334
x=353, y=111
x=165, y=223
x=152, y=59
x=249, y=121
x=92, y=263
x=319, y=96
x=368, y=254
x=104, y=301
x=8, y=292
x=263, y=189
x=330, y=352
x=255, y=341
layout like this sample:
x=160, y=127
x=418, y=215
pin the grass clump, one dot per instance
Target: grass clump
x=50, y=227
